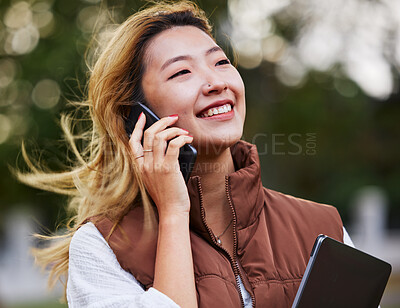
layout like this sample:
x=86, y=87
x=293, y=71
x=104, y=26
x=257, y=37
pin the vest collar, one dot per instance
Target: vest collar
x=243, y=186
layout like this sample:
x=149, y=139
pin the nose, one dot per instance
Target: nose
x=214, y=87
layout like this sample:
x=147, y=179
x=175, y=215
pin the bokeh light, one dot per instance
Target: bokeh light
x=46, y=94
x=8, y=70
x=19, y=15
x=25, y=23
x=43, y=18
x=87, y=18
x=361, y=37
x=8, y=95
x=5, y=128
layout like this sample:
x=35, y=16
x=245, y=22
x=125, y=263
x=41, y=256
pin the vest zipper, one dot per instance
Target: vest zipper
x=253, y=300
x=232, y=260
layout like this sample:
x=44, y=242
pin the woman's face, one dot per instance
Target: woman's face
x=188, y=74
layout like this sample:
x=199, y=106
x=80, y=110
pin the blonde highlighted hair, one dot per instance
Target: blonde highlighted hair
x=104, y=180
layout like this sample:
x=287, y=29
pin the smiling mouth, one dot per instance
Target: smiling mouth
x=216, y=110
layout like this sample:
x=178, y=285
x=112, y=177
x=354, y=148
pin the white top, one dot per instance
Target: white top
x=96, y=279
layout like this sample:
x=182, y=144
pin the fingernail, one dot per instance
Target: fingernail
x=141, y=115
x=184, y=130
x=173, y=116
x=190, y=136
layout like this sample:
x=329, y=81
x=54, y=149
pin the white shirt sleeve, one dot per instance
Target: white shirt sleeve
x=96, y=279
x=346, y=238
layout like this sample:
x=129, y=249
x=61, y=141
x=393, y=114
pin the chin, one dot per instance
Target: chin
x=216, y=145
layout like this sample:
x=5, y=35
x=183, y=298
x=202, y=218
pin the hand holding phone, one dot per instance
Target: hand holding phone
x=187, y=153
x=157, y=160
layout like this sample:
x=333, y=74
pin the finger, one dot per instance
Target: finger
x=137, y=132
x=174, y=145
x=157, y=127
x=134, y=140
x=160, y=141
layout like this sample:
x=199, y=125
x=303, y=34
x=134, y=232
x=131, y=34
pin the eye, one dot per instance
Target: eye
x=182, y=72
x=223, y=62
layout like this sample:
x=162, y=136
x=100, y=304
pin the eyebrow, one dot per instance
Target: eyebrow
x=187, y=57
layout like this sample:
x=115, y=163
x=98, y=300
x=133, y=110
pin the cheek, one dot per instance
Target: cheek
x=237, y=84
x=172, y=99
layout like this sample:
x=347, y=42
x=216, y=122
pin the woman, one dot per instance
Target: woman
x=222, y=240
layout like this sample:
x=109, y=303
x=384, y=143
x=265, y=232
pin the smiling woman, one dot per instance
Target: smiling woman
x=187, y=73
x=141, y=236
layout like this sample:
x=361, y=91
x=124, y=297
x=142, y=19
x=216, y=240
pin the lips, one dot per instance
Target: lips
x=219, y=107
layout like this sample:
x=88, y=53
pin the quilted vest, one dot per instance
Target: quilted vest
x=273, y=237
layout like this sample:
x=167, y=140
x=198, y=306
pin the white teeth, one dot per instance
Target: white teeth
x=213, y=111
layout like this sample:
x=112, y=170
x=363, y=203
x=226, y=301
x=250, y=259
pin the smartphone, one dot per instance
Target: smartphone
x=187, y=153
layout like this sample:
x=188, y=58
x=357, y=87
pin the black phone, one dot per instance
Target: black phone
x=187, y=153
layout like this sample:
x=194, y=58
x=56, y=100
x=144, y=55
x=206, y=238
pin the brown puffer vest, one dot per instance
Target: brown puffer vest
x=273, y=238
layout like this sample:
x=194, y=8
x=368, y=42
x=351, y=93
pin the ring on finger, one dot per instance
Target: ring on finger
x=139, y=156
x=147, y=150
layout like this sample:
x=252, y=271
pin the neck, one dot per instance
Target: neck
x=212, y=171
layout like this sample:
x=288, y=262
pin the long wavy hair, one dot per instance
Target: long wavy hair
x=104, y=180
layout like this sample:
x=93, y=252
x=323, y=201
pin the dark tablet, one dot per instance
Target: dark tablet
x=338, y=275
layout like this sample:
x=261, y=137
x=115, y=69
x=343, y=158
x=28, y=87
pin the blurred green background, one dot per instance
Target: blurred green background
x=321, y=86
